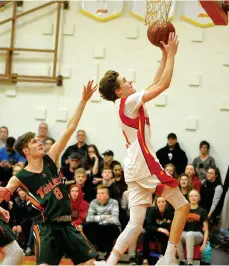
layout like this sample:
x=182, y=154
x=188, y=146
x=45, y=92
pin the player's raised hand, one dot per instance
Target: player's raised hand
x=5, y=193
x=4, y=215
x=88, y=90
x=173, y=42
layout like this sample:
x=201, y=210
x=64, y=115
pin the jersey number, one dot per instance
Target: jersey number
x=58, y=193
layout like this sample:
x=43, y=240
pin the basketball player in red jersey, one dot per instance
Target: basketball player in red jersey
x=142, y=170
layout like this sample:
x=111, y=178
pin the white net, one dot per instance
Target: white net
x=157, y=12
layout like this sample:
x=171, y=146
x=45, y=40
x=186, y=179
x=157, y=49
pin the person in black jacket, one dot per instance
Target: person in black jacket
x=157, y=225
x=172, y=153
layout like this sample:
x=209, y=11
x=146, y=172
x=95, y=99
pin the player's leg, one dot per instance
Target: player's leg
x=181, y=206
x=130, y=233
x=12, y=252
x=77, y=246
x=48, y=244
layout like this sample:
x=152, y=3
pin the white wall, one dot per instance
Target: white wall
x=100, y=119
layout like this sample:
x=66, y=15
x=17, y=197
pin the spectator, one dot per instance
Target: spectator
x=185, y=185
x=171, y=169
x=108, y=157
x=92, y=162
x=85, y=184
x=80, y=147
x=102, y=225
x=48, y=144
x=157, y=227
x=195, y=231
x=19, y=218
x=78, y=204
x=172, y=153
x=108, y=182
x=43, y=132
x=118, y=176
x=3, y=136
x=73, y=164
x=8, y=158
x=190, y=171
x=203, y=162
x=211, y=192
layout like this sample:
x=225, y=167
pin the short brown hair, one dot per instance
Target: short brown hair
x=103, y=187
x=80, y=171
x=108, y=85
x=22, y=142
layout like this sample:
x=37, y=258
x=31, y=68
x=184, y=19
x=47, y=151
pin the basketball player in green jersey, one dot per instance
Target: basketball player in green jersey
x=10, y=249
x=53, y=230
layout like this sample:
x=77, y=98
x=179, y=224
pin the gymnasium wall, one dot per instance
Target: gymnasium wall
x=195, y=107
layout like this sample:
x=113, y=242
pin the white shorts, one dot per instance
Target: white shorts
x=140, y=191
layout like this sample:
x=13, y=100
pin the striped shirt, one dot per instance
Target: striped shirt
x=100, y=213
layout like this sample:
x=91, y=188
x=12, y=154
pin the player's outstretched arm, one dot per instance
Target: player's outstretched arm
x=160, y=69
x=166, y=77
x=59, y=146
x=7, y=192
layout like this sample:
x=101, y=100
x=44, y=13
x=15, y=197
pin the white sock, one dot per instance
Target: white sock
x=112, y=259
x=170, y=252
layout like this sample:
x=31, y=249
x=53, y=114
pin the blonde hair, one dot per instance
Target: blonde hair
x=173, y=166
x=80, y=171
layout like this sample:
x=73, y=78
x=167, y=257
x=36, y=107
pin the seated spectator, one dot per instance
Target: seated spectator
x=102, y=225
x=172, y=153
x=8, y=158
x=43, y=132
x=118, y=176
x=108, y=157
x=190, y=171
x=92, y=162
x=85, y=184
x=78, y=204
x=157, y=226
x=108, y=182
x=80, y=147
x=3, y=136
x=211, y=192
x=203, y=162
x=185, y=185
x=171, y=169
x=73, y=164
x=48, y=144
x=19, y=218
x=195, y=231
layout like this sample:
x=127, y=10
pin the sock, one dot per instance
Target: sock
x=170, y=252
x=113, y=258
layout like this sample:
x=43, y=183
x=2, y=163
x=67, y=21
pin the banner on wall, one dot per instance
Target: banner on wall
x=102, y=10
x=194, y=13
x=139, y=9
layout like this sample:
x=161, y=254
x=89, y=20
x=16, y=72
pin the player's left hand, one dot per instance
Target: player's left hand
x=88, y=90
x=4, y=215
x=202, y=248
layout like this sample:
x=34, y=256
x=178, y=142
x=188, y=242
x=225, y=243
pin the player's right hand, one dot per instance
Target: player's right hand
x=173, y=42
x=5, y=194
x=4, y=215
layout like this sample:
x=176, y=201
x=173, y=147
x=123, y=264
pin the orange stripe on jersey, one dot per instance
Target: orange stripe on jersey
x=37, y=234
x=142, y=139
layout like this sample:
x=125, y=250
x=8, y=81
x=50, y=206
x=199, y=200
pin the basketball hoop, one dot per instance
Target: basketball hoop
x=157, y=12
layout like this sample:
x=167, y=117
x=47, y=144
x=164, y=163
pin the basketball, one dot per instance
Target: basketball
x=158, y=34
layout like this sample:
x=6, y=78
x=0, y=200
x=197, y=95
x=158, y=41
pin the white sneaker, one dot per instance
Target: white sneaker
x=164, y=261
x=101, y=262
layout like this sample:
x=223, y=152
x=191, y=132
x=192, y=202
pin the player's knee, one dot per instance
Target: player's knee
x=178, y=201
x=133, y=230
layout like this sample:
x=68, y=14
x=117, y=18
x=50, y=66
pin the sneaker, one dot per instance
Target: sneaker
x=102, y=262
x=182, y=262
x=164, y=261
x=28, y=251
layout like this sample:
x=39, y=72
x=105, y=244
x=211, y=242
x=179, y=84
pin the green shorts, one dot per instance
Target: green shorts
x=6, y=234
x=53, y=240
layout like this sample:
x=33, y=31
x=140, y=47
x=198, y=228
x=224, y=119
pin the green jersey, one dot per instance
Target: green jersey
x=47, y=192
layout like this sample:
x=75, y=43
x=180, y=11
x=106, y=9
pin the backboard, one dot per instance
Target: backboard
x=217, y=10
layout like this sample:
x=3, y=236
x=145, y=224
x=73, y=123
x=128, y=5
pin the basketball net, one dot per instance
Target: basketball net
x=157, y=12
